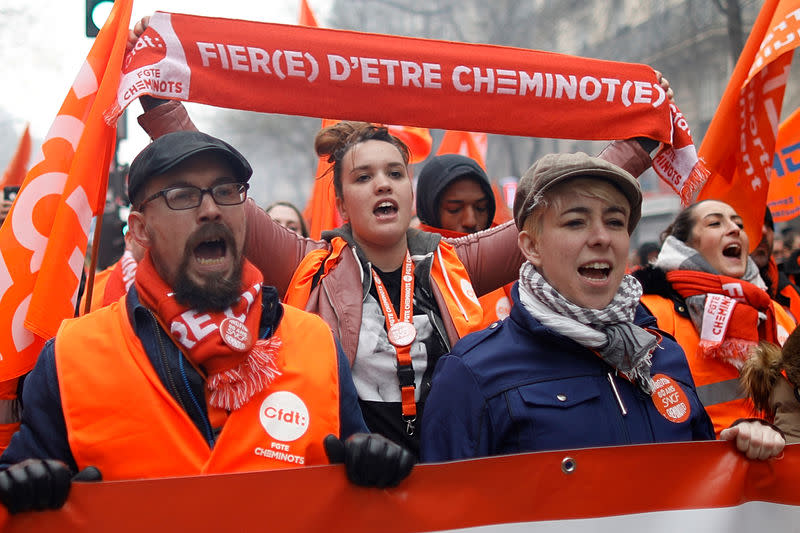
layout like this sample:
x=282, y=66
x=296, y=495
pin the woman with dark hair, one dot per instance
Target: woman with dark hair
x=288, y=216
x=705, y=290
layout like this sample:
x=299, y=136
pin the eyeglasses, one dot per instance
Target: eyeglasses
x=189, y=196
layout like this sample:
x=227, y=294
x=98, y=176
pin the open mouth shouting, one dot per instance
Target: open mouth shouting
x=211, y=247
x=595, y=271
x=385, y=209
x=732, y=250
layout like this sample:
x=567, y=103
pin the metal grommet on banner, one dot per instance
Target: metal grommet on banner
x=568, y=465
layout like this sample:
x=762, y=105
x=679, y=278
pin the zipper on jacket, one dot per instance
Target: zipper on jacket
x=209, y=433
x=622, y=409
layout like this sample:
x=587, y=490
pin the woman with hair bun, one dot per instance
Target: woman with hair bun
x=397, y=298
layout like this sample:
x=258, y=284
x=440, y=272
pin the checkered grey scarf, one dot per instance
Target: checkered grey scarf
x=609, y=331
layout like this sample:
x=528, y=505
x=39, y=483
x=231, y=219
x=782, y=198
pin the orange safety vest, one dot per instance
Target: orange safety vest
x=496, y=305
x=447, y=272
x=716, y=381
x=121, y=419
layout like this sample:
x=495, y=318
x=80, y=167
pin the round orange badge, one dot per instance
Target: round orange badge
x=670, y=400
x=236, y=335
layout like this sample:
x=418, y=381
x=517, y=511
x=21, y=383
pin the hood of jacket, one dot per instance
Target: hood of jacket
x=437, y=175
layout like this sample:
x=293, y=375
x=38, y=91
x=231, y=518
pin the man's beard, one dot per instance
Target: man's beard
x=220, y=291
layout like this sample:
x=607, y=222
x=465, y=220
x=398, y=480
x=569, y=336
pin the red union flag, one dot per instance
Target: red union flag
x=741, y=163
x=43, y=241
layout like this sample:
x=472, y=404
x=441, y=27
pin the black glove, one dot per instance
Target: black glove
x=39, y=484
x=370, y=459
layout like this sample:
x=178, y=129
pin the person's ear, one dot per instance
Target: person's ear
x=137, y=227
x=529, y=247
x=342, y=209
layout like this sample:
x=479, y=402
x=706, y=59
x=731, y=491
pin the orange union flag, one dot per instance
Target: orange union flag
x=784, y=184
x=15, y=173
x=739, y=145
x=43, y=241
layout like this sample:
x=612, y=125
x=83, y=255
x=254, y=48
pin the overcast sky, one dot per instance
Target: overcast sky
x=43, y=44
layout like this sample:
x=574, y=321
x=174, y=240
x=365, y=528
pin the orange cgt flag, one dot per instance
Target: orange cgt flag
x=466, y=143
x=784, y=183
x=739, y=145
x=43, y=246
x=15, y=172
x=307, y=17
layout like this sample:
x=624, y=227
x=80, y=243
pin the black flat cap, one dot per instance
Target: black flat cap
x=171, y=149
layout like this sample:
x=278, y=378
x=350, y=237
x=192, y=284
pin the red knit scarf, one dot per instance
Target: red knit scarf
x=729, y=325
x=120, y=279
x=222, y=343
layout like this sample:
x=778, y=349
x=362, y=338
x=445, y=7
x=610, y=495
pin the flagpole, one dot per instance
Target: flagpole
x=92, y=264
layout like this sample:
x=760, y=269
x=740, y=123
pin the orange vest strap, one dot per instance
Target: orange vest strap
x=314, y=266
x=452, y=278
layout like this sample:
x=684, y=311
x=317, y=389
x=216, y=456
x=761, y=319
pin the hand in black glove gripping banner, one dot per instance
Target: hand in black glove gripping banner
x=370, y=459
x=39, y=484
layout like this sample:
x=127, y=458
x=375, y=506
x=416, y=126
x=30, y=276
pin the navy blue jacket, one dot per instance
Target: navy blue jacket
x=520, y=387
x=43, y=433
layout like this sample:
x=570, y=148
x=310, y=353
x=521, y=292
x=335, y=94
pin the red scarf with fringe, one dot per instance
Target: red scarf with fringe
x=224, y=344
x=730, y=323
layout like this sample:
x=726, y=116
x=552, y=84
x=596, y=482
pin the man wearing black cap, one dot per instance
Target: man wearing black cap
x=199, y=368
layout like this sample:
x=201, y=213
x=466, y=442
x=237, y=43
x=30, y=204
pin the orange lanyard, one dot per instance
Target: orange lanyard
x=401, y=332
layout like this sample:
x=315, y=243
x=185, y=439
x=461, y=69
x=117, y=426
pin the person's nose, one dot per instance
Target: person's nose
x=469, y=219
x=600, y=236
x=732, y=228
x=208, y=208
x=383, y=183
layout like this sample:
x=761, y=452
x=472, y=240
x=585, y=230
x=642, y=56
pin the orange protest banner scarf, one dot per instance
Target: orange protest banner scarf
x=784, y=183
x=43, y=246
x=389, y=79
x=739, y=145
x=18, y=166
x=710, y=481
